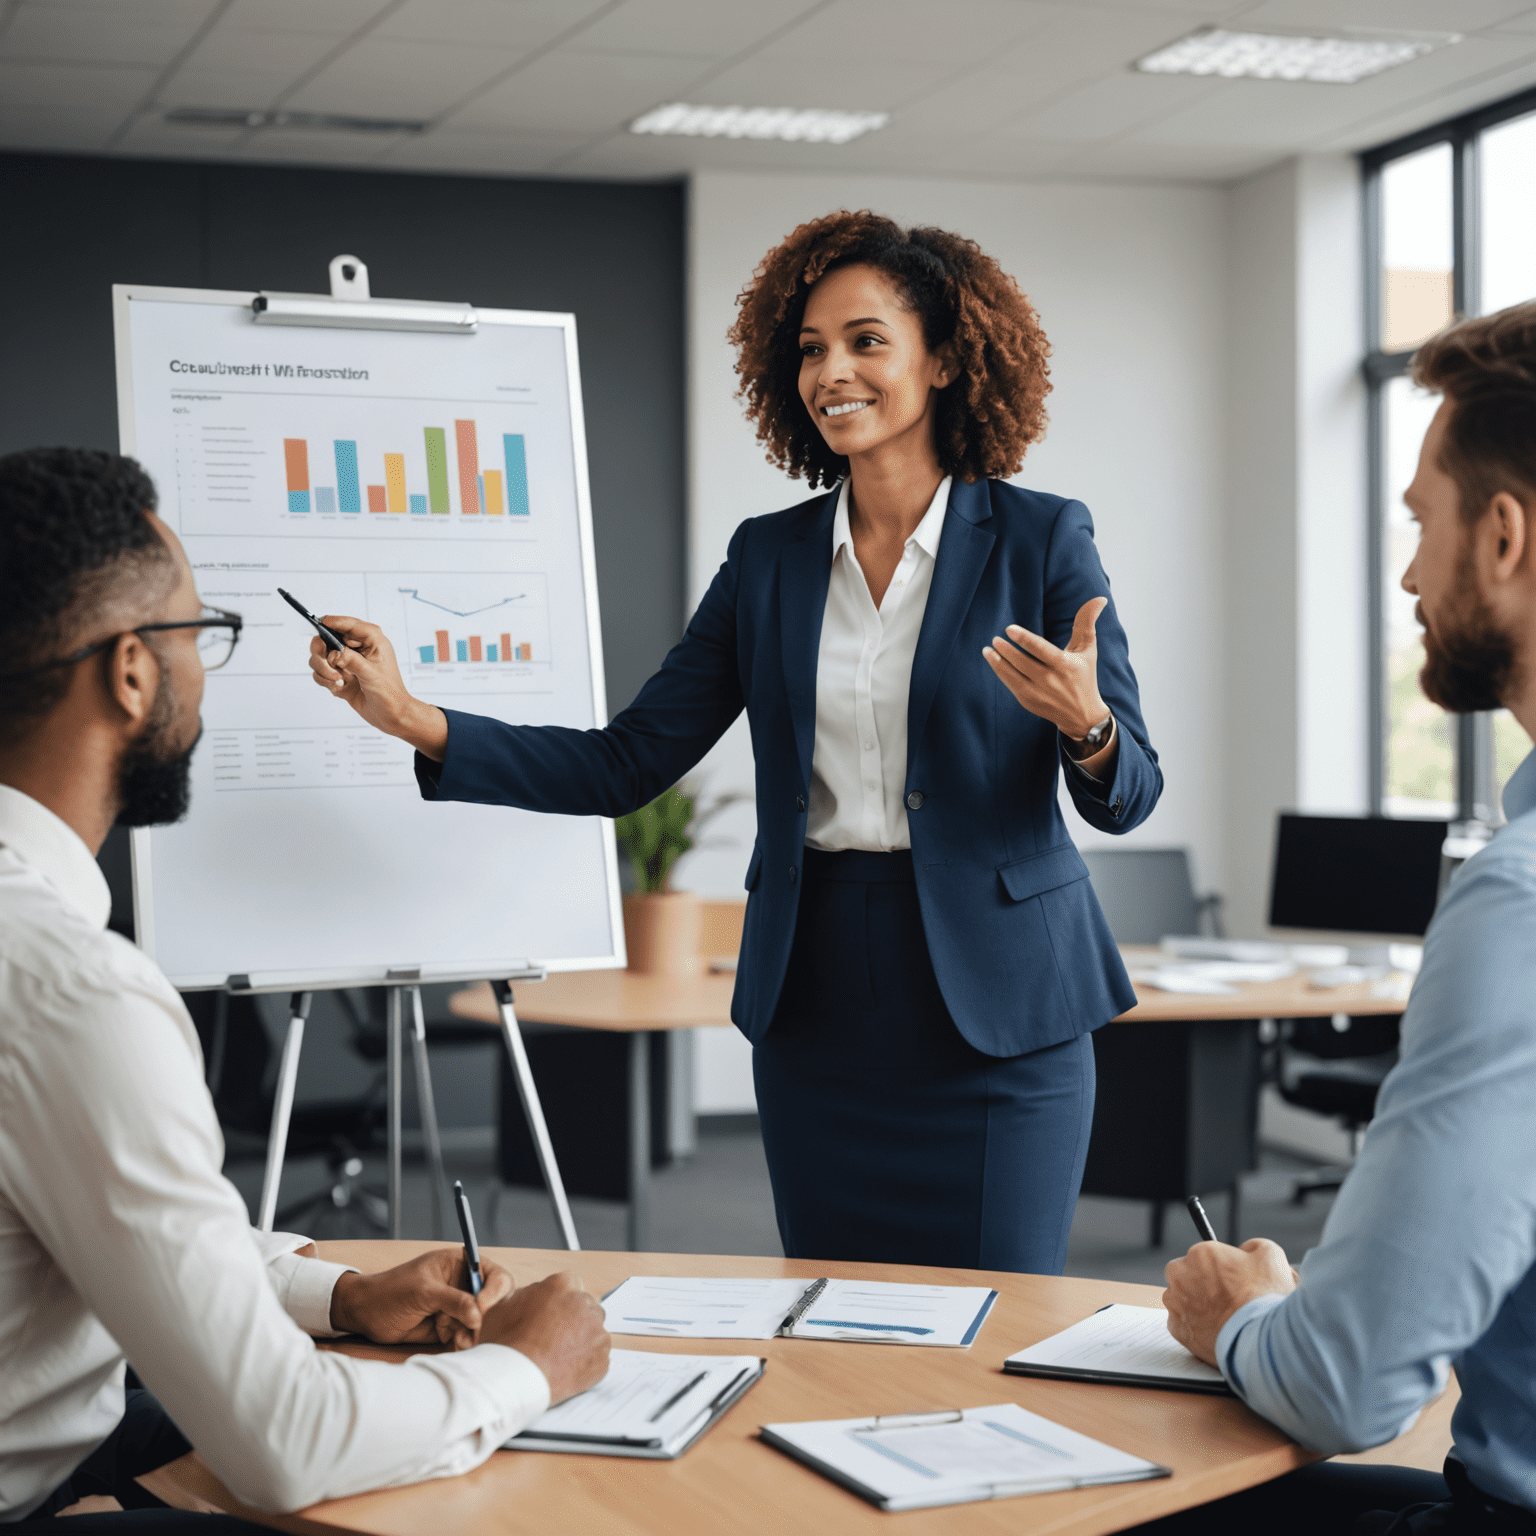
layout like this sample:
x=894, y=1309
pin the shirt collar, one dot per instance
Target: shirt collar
x=1520, y=792
x=925, y=535
x=55, y=850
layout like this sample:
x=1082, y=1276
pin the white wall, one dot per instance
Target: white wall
x=1131, y=284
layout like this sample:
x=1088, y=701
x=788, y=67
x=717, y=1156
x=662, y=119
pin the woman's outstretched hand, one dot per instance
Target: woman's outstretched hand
x=1059, y=686
x=367, y=676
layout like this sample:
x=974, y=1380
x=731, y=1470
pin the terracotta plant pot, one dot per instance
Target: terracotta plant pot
x=662, y=933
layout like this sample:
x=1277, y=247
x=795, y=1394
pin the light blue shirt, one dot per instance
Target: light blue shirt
x=1428, y=1258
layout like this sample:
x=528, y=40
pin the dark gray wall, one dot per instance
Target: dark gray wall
x=611, y=253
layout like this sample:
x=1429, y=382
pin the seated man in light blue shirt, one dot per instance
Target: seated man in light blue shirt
x=1428, y=1258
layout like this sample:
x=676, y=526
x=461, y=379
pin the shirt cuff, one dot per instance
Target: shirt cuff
x=512, y=1379
x=1226, y=1340
x=304, y=1288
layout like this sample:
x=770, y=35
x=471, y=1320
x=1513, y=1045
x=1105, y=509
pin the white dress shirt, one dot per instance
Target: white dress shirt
x=119, y=1234
x=863, y=676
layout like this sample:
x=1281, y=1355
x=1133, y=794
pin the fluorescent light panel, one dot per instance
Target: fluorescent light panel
x=322, y=122
x=1274, y=56
x=796, y=125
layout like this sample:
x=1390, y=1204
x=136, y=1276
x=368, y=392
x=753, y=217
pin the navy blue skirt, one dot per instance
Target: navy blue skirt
x=889, y=1137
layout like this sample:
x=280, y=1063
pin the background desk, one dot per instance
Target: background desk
x=731, y=1482
x=618, y=1002
x=1178, y=1093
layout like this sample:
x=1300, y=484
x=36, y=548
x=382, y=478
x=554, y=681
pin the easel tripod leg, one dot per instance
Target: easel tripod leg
x=393, y=1032
x=639, y=1141
x=428, y=1106
x=533, y=1111
x=282, y=1108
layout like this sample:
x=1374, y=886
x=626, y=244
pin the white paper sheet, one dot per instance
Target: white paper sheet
x=645, y=1398
x=1124, y=1341
x=876, y=1311
x=982, y=1453
x=665, y=1306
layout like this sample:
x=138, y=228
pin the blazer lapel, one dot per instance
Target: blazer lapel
x=964, y=549
x=805, y=571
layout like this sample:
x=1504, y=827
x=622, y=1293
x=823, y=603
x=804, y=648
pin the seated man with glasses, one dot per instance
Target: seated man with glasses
x=119, y=1236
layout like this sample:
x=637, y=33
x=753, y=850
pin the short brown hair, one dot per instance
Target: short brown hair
x=1486, y=369
x=986, y=418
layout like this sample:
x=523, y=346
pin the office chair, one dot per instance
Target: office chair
x=1335, y=1067
x=1149, y=893
x=1350, y=874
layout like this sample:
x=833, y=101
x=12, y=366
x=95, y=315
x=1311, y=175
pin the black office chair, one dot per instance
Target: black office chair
x=1335, y=1067
x=1149, y=893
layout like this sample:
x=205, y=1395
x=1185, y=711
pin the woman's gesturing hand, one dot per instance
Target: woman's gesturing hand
x=1059, y=686
x=367, y=676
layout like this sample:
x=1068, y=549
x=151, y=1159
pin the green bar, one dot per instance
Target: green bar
x=437, y=469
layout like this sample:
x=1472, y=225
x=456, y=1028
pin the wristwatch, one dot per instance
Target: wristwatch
x=1080, y=749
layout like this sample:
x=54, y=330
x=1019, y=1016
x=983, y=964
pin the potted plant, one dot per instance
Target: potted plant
x=661, y=926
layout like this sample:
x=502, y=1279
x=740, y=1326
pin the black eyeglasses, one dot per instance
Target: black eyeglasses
x=218, y=630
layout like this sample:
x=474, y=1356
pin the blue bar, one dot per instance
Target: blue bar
x=346, y=477
x=462, y=647
x=428, y=652
x=480, y=482
x=490, y=653
x=517, y=474
x=298, y=501
x=418, y=504
x=325, y=499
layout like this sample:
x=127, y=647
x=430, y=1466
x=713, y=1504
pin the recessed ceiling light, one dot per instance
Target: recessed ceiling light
x=1274, y=56
x=799, y=125
x=322, y=122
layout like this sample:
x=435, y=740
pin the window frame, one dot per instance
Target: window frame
x=1473, y=734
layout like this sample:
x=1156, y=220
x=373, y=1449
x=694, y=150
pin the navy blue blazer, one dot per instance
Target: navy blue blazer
x=1021, y=950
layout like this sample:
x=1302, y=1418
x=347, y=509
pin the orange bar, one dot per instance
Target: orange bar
x=506, y=647
x=495, y=506
x=442, y=645
x=394, y=474
x=376, y=499
x=469, y=467
x=474, y=648
x=525, y=652
x=296, y=459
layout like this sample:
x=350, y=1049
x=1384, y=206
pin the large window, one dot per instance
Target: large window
x=1450, y=229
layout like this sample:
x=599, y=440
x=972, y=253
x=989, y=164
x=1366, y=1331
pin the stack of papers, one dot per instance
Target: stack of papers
x=652, y=1406
x=1126, y=1346
x=920, y=1460
x=865, y=1311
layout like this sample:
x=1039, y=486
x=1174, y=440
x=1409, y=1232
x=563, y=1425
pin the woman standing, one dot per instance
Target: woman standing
x=920, y=651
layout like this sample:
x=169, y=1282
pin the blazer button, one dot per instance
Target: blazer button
x=799, y=802
x=794, y=874
x=915, y=800
x=1116, y=807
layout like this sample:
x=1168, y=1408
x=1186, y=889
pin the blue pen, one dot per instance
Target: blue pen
x=471, y=1247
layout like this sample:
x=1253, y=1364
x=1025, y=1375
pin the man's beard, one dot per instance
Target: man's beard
x=1469, y=664
x=154, y=779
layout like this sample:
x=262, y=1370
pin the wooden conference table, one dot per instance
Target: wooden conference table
x=1177, y=1105
x=730, y=1481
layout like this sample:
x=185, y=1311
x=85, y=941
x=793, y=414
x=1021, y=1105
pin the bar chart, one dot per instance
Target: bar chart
x=466, y=488
x=472, y=626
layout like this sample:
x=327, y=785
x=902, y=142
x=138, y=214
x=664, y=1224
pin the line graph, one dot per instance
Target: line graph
x=476, y=627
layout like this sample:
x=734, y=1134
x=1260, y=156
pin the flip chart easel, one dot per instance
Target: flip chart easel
x=239, y=404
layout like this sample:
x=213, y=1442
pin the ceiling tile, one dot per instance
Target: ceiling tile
x=521, y=25
x=1400, y=118
x=286, y=146
x=385, y=77
x=706, y=28
x=228, y=88
x=324, y=18
x=1525, y=22
x=116, y=34
x=1108, y=107
x=778, y=78
x=91, y=91
x=849, y=36
x=1129, y=160
x=1383, y=15
x=155, y=136
x=566, y=92
x=284, y=52
x=492, y=154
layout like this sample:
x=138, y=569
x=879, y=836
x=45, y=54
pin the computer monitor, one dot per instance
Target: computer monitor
x=1356, y=874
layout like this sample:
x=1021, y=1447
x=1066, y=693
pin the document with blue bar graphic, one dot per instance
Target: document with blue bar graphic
x=859, y=1311
x=964, y=1456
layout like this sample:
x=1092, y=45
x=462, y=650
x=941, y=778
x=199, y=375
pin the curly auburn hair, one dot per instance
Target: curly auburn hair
x=986, y=418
